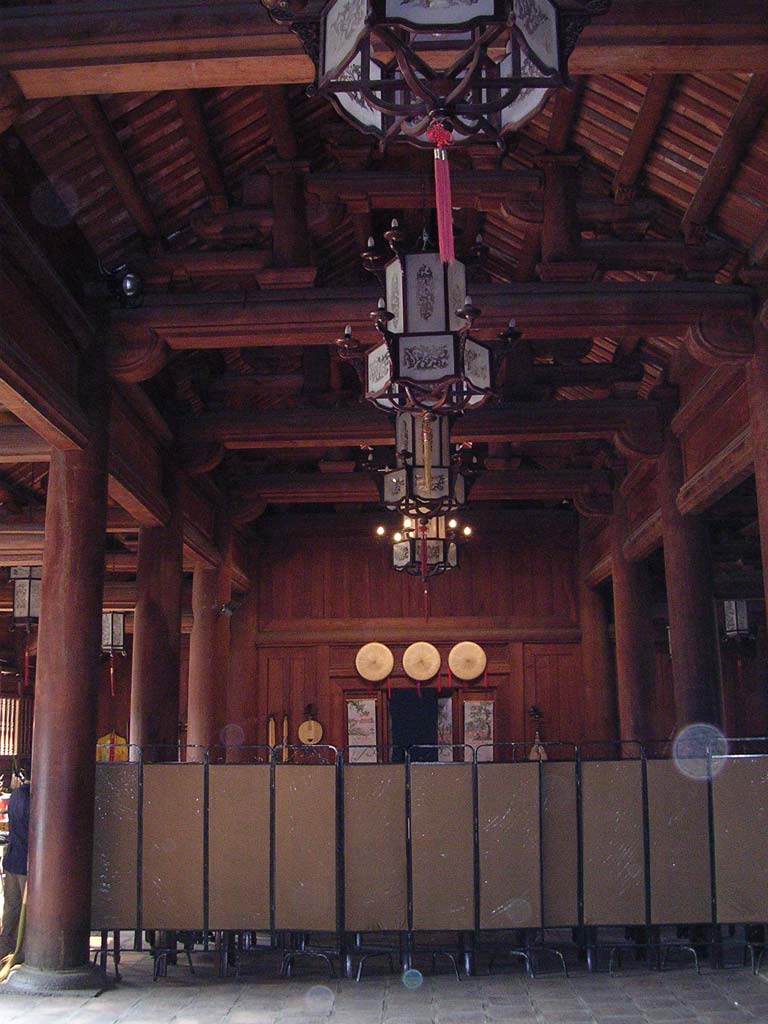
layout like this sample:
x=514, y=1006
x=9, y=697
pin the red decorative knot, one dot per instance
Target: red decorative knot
x=439, y=135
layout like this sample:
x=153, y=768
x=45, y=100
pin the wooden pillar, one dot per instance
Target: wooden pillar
x=600, y=713
x=243, y=670
x=157, y=634
x=208, y=657
x=635, y=661
x=690, y=598
x=757, y=387
x=63, y=751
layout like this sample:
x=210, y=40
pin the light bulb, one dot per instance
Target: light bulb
x=467, y=531
x=380, y=531
x=398, y=537
x=407, y=524
x=452, y=524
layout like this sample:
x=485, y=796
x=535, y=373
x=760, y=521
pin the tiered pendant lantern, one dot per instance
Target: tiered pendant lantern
x=426, y=359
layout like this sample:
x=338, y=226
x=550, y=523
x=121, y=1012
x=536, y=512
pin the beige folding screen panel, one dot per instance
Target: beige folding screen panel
x=305, y=847
x=559, y=845
x=613, y=853
x=114, y=893
x=172, y=845
x=678, y=842
x=238, y=847
x=509, y=845
x=442, y=846
x=740, y=806
x=375, y=872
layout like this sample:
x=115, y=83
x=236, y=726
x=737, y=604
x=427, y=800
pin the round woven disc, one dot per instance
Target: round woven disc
x=374, y=662
x=421, y=661
x=467, y=660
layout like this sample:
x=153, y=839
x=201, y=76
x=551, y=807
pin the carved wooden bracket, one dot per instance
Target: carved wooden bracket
x=721, y=337
x=593, y=504
x=135, y=360
x=201, y=458
x=641, y=437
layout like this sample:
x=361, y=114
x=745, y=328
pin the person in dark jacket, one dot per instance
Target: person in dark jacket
x=15, y=862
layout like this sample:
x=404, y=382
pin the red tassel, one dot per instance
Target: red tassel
x=389, y=689
x=440, y=137
x=111, y=675
x=439, y=683
x=26, y=665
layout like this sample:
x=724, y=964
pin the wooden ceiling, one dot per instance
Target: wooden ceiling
x=243, y=205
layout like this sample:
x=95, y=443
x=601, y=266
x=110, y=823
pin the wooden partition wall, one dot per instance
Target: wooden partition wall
x=422, y=847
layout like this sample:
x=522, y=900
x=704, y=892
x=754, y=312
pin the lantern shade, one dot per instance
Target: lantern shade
x=736, y=619
x=426, y=481
x=27, y=583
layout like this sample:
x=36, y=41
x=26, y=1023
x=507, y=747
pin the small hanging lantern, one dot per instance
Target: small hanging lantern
x=736, y=618
x=427, y=360
x=27, y=581
x=112, y=641
x=113, y=632
x=426, y=547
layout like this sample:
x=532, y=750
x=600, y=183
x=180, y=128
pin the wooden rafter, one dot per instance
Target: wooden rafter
x=643, y=133
x=748, y=114
x=197, y=133
x=101, y=134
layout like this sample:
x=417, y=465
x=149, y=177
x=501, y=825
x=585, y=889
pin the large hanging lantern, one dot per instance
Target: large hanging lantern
x=27, y=582
x=478, y=67
x=427, y=359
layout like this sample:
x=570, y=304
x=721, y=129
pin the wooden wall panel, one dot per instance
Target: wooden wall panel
x=723, y=420
x=553, y=683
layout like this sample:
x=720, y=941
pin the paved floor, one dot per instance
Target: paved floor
x=632, y=996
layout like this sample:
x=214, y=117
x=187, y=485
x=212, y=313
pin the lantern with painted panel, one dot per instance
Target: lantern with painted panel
x=27, y=583
x=113, y=632
x=426, y=547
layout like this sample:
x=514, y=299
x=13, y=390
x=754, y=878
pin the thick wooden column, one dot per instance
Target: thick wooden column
x=690, y=598
x=157, y=634
x=600, y=712
x=208, y=657
x=635, y=662
x=63, y=752
x=243, y=672
x=757, y=385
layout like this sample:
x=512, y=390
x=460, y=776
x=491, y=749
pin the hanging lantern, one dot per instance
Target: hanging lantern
x=27, y=581
x=480, y=67
x=426, y=547
x=113, y=632
x=736, y=618
x=426, y=359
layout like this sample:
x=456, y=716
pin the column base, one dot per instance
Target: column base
x=89, y=978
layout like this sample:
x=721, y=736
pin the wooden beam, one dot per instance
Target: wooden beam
x=736, y=139
x=21, y=444
x=564, y=111
x=197, y=133
x=11, y=101
x=654, y=36
x=637, y=422
x=101, y=134
x=644, y=131
x=145, y=46
x=317, y=316
x=483, y=190
x=142, y=45
x=532, y=485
